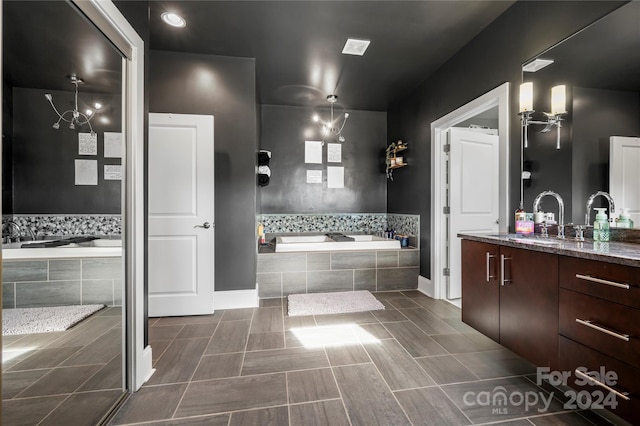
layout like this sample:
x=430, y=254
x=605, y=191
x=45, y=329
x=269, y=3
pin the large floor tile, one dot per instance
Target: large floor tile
x=397, y=367
x=367, y=398
x=86, y=332
x=194, y=331
x=30, y=411
x=439, y=308
x=239, y=393
x=427, y=322
x=430, y=406
x=267, y=320
x=347, y=355
x=83, y=409
x=354, y=318
x=274, y=416
x=446, y=369
x=166, y=332
x=150, y=403
x=46, y=358
x=230, y=336
x=462, y=343
x=60, y=380
x=100, y=351
x=493, y=364
x=237, y=314
x=195, y=319
x=493, y=400
x=108, y=377
x=389, y=315
x=414, y=340
x=277, y=360
x=219, y=366
x=311, y=385
x=264, y=341
x=320, y=413
x=15, y=382
x=179, y=361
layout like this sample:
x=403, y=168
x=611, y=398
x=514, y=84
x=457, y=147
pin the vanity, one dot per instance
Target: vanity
x=571, y=306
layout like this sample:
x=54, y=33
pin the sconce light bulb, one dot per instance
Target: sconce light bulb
x=341, y=138
x=97, y=105
x=56, y=126
x=72, y=126
x=558, y=99
x=48, y=96
x=89, y=113
x=526, y=97
x=325, y=130
x=315, y=118
x=346, y=115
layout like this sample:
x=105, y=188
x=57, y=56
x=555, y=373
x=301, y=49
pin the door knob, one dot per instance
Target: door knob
x=205, y=225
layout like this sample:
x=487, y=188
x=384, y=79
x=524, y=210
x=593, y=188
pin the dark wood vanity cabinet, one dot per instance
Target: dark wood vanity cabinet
x=511, y=296
x=480, y=288
x=600, y=328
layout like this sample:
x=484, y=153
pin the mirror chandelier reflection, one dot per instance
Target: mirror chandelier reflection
x=332, y=127
x=554, y=118
x=76, y=118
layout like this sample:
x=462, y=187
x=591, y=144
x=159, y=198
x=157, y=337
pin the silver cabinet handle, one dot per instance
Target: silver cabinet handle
x=623, y=395
x=205, y=225
x=601, y=281
x=489, y=256
x=502, y=279
x=601, y=329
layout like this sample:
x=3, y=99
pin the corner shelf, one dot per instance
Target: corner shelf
x=391, y=157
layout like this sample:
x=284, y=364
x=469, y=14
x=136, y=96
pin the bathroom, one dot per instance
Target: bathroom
x=246, y=205
x=62, y=208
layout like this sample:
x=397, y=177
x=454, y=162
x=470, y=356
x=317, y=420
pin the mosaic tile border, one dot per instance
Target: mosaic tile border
x=368, y=223
x=62, y=225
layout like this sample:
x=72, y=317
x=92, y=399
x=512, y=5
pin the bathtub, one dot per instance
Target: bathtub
x=324, y=243
x=96, y=248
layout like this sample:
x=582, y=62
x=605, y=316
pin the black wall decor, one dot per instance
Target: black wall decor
x=493, y=57
x=284, y=131
x=44, y=158
x=224, y=87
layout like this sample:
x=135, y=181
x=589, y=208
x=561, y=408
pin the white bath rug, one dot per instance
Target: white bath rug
x=332, y=303
x=44, y=320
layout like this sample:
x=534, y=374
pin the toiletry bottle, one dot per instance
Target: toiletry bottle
x=624, y=221
x=601, y=226
x=261, y=233
x=521, y=214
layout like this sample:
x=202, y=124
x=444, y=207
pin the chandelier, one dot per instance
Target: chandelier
x=332, y=127
x=73, y=116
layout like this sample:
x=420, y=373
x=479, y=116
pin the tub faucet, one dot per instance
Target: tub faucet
x=536, y=207
x=612, y=207
x=11, y=230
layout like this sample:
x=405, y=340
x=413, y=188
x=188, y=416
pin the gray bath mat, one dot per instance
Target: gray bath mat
x=44, y=320
x=332, y=303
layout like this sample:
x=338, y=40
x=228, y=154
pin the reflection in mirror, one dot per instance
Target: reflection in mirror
x=600, y=67
x=61, y=205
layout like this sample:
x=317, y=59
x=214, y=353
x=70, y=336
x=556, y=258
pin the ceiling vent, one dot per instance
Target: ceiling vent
x=355, y=47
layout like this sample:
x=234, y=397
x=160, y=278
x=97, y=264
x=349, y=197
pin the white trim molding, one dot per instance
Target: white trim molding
x=235, y=299
x=110, y=21
x=425, y=286
x=497, y=97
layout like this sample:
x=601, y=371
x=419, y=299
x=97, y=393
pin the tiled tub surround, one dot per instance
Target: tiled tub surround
x=365, y=223
x=68, y=224
x=58, y=282
x=281, y=274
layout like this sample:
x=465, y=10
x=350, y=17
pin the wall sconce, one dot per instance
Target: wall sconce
x=554, y=118
x=331, y=127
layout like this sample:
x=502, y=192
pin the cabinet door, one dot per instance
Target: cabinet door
x=480, y=290
x=529, y=304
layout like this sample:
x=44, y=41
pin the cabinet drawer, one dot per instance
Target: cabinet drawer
x=605, y=326
x=617, y=283
x=574, y=355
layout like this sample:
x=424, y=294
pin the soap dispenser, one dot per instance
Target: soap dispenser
x=601, y=225
x=624, y=221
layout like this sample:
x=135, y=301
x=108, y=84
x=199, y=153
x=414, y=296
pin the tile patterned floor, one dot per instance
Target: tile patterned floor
x=64, y=378
x=413, y=363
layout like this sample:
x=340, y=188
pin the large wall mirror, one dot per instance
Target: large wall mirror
x=61, y=183
x=600, y=67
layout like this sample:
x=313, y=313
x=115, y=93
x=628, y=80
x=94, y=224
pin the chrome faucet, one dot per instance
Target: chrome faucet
x=536, y=207
x=612, y=207
x=13, y=230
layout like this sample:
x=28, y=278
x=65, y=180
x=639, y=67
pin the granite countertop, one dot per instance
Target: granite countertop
x=613, y=251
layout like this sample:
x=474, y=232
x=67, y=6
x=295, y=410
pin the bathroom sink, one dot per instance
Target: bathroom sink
x=536, y=240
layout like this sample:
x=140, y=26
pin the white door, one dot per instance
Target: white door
x=181, y=202
x=473, y=193
x=624, y=175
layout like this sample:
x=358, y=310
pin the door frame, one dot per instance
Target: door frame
x=497, y=97
x=108, y=19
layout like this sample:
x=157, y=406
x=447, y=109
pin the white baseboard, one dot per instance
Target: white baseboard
x=425, y=286
x=145, y=370
x=235, y=299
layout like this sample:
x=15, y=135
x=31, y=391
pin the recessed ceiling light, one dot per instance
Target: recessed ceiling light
x=173, y=19
x=536, y=65
x=355, y=47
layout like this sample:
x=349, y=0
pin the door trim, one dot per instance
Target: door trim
x=108, y=19
x=497, y=97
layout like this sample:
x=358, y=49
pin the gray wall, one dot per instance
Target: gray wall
x=44, y=158
x=283, y=133
x=229, y=94
x=493, y=57
x=7, y=149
